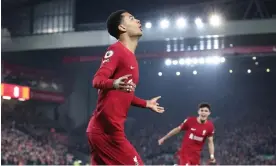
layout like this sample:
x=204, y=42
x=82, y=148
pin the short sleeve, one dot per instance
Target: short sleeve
x=185, y=124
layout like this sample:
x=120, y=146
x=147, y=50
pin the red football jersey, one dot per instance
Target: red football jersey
x=195, y=135
x=112, y=105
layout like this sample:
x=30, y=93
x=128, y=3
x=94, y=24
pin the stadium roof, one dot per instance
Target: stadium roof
x=8, y=5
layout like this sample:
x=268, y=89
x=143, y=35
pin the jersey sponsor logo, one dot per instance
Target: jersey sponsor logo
x=193, y=129
x=131, y=67
x=196, y=138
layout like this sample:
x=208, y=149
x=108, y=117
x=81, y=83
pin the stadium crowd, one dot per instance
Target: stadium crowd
x=249, y=139
x=20, y=146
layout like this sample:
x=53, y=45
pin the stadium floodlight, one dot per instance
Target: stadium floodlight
x=188, y=61
x=148, y=25
x=194, y=72
x=177, y=73
x=181, y=61
x=268, y=70
x=168, y=62
x=201, y=60
x=174, y=62
x=230, y=71
x=248, y=71
x=222, y=59
x=181, y=23
x=160, y=73
x=215, y=20
x=194, y=61
x=254, y=58
x=164, y=24
x=199, y=22
x=213, y=60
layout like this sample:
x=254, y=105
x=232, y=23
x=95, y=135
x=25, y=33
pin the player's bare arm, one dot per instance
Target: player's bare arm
x=169, y=134
x=211, y=148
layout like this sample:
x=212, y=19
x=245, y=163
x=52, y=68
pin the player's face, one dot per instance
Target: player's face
x=131, y=25
x=203, y=113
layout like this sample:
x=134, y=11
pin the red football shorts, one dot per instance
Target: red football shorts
x=112, y=150
x=188, y=159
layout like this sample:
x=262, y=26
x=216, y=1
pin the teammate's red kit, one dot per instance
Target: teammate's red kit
x=193, y=140
x=105, y=130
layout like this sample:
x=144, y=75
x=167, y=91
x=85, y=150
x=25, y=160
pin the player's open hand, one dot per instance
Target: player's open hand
x=122, y=84
x=154, y=106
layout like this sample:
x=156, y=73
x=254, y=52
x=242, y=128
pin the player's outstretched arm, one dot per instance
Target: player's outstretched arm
x=170, y=134
x=151, y=104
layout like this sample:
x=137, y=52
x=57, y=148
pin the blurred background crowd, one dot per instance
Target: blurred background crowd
x=50, y=51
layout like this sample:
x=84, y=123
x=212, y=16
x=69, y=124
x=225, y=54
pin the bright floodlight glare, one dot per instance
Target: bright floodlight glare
x=201, y=60
x=160, y=73
x=164, y=24
x=222, y=59
x=177, y=73
x=181, y=61
x=188, y=61
x=148, y=25
x=194, y=61
x=256, y=63
x=230, y=71
x=213, y=60
x=174, y=62
x=180, y=23
x=248, y=71
x=198, y=22
x=268, y=70
x=168, y=62
x=215, y=20
x=194, y=72
x=254, y=58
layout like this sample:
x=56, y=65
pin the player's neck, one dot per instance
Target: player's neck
x=200, y=121
x=129, y=43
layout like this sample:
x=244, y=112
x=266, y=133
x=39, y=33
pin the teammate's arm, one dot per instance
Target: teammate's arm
x=211, y=147
x=174, y=131
x=169, y=134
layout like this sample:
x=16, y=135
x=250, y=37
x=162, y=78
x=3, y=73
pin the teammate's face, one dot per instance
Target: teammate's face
x=131, y=25
x=203, y=113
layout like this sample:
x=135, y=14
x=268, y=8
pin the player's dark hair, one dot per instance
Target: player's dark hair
x=203, y=105
x=113, y=21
